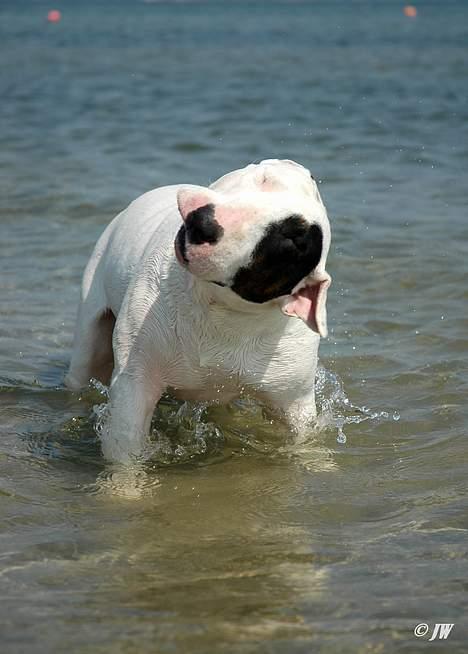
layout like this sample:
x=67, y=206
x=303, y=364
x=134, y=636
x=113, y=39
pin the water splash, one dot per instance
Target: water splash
x=180, y=432
x=189, y=432
x=336, y=410
x=99, y=387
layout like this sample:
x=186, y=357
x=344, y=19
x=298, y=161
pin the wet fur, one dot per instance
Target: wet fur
x=147, y=324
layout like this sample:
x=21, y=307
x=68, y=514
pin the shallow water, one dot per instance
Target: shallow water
x=235, y=538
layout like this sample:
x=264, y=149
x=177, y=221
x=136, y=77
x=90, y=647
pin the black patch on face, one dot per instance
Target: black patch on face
x=289, y=250
x=180, y=240
x=202, y=227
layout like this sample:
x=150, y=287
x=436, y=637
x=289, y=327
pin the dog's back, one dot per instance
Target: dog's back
x=120, y=251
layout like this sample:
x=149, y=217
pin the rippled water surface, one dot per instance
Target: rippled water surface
x=235, y=538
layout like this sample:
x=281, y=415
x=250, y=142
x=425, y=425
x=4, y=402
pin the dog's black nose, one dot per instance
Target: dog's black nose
x=202, y=227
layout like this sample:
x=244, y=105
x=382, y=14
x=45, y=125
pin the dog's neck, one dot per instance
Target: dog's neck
x=212, y=294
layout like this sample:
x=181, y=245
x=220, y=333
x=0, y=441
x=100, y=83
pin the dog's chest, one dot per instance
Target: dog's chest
x=231, y=355
x=206, y=375
x=223, y=370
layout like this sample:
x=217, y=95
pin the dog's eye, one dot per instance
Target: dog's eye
x=220, y=284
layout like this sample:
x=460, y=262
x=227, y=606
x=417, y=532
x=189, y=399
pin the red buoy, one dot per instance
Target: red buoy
x=410, y=11
x=54, y=16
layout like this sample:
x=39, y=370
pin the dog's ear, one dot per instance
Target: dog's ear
x=309, y=302
x=191, y=198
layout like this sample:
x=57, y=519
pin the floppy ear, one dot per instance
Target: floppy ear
x=191, y=198
x=309, y=302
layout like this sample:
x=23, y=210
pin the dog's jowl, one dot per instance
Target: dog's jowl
x=192, y=290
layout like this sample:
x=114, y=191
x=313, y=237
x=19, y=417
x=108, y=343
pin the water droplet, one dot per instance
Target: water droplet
x=341, y=438
x=98, y=386
x=179, y=451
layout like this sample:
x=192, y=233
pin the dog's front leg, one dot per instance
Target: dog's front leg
x=132, y=399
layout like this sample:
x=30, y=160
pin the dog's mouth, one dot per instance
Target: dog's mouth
x=180, y=247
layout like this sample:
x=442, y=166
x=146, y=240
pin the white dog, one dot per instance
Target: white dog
x=209, y=293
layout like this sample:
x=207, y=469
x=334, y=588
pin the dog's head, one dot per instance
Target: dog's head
x=261, y=232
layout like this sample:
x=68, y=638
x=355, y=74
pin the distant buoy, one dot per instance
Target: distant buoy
x=410, y=11
x=54, y=16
